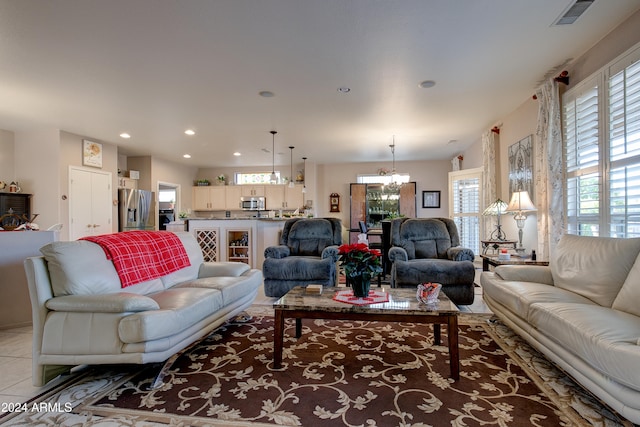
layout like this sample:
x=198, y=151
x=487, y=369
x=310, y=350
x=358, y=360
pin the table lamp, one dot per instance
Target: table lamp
x=519, y=204
x=496, y=208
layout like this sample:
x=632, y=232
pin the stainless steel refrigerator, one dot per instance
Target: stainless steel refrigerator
x=135, y=210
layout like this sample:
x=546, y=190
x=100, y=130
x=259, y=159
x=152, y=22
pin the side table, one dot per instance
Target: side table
x=492, y=260
x=495, y=244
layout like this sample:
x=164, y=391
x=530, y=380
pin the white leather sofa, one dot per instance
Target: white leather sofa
x=582, y=312
x=82, y=315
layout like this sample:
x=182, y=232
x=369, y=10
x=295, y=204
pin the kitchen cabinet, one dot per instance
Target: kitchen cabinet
x=209, y=198
x=127, y=183
x=253, y=190
x=232, y=197
x=282, y=197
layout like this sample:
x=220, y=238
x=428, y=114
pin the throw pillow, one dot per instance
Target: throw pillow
x=628, y=299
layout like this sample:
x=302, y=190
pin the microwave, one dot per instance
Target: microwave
x=252, y=203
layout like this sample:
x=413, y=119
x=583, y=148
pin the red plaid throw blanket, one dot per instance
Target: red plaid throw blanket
x=139, y=256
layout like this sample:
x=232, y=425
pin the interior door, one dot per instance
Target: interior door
x=89, y=203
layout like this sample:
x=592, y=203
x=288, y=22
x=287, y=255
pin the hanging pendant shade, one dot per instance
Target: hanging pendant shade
x=304, y=171
x=291, y=183
x=394, y=185
x=273, y=177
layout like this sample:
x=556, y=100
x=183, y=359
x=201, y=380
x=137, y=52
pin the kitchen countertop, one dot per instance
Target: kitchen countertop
x=244, y=218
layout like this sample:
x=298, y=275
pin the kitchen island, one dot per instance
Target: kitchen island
x=240, y=239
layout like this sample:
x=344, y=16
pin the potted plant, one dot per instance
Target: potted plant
x=360, y=265
x=221, y=179
x=202, y=182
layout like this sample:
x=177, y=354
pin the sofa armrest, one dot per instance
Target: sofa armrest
x=396, y=253
x=330, y=252
x=280, y=251
x=121, y=302
x=217, y=269
x=525, y=273
x=458, y=253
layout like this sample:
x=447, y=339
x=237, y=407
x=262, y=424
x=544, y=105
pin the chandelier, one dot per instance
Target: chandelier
x=273, y=177
x=395, y=178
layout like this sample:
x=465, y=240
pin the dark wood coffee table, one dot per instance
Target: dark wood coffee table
x=402, y=307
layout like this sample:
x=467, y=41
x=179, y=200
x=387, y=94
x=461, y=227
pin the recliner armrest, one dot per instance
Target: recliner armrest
x=280, y=251
x=396, y=253
x=458, y=253
x=330, y=252
x=121, y=302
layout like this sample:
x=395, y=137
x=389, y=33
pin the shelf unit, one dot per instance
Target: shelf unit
x=239, y=245
x=207, y=238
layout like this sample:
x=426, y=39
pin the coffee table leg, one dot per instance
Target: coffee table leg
x=298, y=327
x=454, y=355
x=278, y=338
x=436, y=333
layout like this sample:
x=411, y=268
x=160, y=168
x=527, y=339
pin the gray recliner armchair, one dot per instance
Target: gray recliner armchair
x=428, y=250
x=308, y=253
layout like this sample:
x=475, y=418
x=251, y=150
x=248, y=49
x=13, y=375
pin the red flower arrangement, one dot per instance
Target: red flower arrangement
x=358, y=260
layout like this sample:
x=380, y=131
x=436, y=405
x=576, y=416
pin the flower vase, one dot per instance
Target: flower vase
x=360, y=286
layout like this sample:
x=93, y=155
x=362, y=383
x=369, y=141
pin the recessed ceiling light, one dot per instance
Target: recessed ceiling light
x=190, y=132
x=266, y=94
x=186, y=156
x=344, y=89
x=237, y=154
x=125, y=135
x=427, y=84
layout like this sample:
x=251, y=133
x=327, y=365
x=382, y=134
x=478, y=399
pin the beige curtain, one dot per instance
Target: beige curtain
x=548, y=170
x=489, y=192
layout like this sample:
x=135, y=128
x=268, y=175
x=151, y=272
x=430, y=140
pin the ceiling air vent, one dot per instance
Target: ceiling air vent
x=573, y=12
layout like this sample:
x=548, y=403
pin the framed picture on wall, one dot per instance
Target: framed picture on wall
x=521, y=166
x=431, y=199
x=91, y=153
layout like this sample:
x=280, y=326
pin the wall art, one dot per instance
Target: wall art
x=91, y=153
x=521, y=166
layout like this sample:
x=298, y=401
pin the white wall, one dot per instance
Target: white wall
x=36, y=158
x=6, y=157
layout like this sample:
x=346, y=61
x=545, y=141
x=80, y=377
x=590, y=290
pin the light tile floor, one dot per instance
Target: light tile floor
x=15, y=355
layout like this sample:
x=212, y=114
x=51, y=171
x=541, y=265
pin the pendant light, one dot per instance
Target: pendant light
x=273, y=177
x=304, y=171
x=291, y=183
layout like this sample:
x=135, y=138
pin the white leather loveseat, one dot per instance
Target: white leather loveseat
x=82, y=315
x=582, y=312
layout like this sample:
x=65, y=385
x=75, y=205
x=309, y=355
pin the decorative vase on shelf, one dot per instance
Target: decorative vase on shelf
x=360, y=286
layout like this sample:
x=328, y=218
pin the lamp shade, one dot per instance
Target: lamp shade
x=520, y=202
x=496, y=208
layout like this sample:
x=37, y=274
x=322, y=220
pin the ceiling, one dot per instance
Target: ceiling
x=153, y=68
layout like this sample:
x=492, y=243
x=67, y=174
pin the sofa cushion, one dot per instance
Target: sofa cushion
x=628, y=299
x=194, y=252
x=582, y=265
x=518, y=296
x=82, y=268
x=605, y=339
x=232, y=288
x=180, y=308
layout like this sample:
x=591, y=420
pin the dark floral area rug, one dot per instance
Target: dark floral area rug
x=337, y=373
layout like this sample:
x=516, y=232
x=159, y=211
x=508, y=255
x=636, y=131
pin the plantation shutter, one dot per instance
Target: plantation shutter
x=582, y=154
x=624, y=148
x=464, y=206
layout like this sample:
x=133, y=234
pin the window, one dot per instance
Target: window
x=255, y=178
x=601, y=119
x=402, y=178
x=464, y=206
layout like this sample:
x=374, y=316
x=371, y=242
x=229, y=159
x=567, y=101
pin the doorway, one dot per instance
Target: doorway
x=168, y=200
